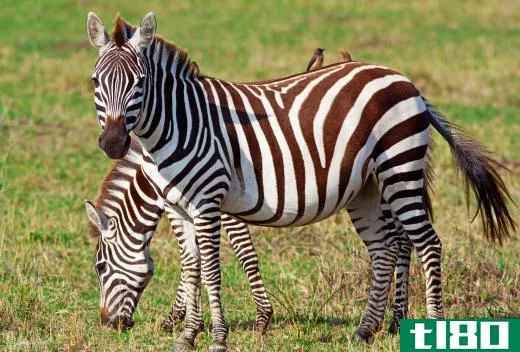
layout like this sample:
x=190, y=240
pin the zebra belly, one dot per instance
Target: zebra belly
x=245, y=204
x=269, y=215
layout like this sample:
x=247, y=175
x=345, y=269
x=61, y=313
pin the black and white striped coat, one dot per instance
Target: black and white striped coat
x=285, y=152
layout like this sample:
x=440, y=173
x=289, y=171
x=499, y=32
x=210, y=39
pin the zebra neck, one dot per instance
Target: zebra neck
x=128, y=195
x=174, y=115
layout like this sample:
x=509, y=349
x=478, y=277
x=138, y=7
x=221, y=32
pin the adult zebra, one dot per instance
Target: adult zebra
x=123, y=220
x=285, y=152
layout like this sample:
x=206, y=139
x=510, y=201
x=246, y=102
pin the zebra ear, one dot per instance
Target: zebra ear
x=143, y=36
x=96, y=217
x=96, y=33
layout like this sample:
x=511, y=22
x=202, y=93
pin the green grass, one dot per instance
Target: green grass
x=464, y=59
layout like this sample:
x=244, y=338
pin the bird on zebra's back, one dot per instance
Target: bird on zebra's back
x=316, y=60
x=350, y=135
x=345, y=56
x=123, y=220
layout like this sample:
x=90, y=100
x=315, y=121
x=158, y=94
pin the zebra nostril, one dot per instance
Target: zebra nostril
x=127, y=323
x=114, y=142
x=105, y=316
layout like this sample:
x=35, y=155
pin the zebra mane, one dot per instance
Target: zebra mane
x=123, y=31
x=121, y=171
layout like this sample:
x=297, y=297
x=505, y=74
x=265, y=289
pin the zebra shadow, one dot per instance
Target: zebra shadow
x=280, y=322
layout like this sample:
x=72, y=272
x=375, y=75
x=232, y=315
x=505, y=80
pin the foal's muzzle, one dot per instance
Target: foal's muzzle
x=118, y=323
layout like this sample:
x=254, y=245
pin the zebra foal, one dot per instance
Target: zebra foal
x=285, y=152
x=123, y=221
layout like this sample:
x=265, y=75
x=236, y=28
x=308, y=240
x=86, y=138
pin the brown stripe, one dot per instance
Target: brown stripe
x=263, y=122
x=405, y=129
x=378, y=105
x=337, y=113
x=252, y=142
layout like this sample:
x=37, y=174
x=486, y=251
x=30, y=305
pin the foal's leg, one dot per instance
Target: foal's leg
x=178, y=309
x=241, y=242
x=240, y=239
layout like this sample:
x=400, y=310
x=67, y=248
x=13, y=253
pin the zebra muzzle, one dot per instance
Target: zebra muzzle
x=117, y=323
x=115, y=140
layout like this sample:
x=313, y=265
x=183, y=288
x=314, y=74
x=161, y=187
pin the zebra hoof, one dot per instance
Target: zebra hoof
x=393, y=328
x=217, y=347
x=261, y=328
x=167, y=326
x=183, y=345
x=364, y=335
x=262, y=322
x=170, y=324
x=175, y=319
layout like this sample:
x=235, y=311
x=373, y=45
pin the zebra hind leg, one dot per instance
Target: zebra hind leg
x=401, y=270
x=401, y=285
x=382, y=245
x=404, y=191
x=240, y=239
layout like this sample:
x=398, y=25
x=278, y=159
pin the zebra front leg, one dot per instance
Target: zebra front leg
x=207, y=227
x=178, y=309
x=191, y=277
x=240, y=239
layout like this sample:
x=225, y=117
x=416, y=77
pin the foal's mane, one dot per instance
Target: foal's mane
x=123, y=31
x=119, y=170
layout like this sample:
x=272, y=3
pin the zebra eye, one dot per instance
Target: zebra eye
x=95, y=81
x=139, y=81
x=101, y=266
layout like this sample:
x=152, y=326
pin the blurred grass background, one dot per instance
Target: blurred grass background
x=464, y=56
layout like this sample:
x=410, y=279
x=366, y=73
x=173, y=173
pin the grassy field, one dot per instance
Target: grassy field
x=464, y=59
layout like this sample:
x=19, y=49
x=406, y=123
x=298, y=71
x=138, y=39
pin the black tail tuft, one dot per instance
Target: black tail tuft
x=480, y=173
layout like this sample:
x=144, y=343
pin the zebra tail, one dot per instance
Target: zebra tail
x=480, y=171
